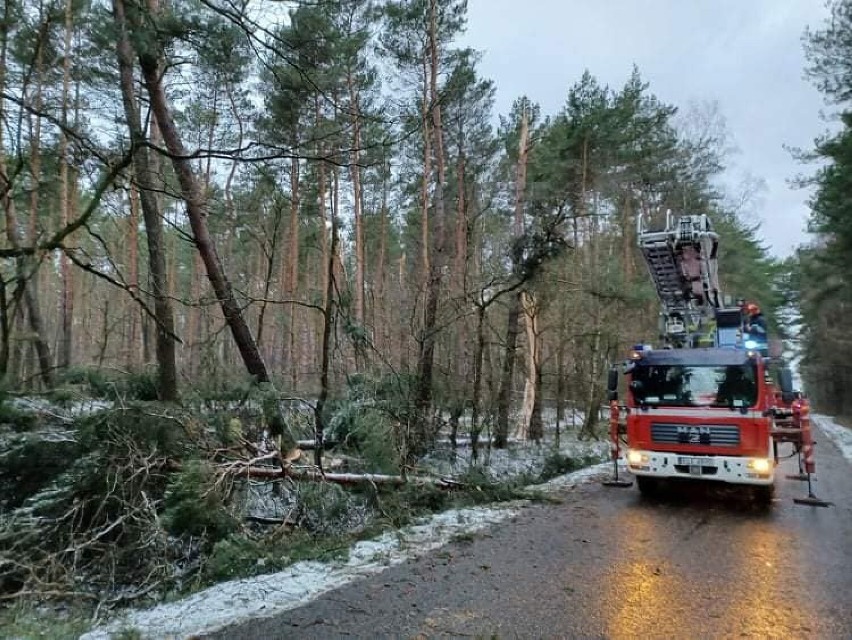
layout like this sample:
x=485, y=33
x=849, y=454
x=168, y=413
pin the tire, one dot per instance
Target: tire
x=648, y=486
x=764, y=494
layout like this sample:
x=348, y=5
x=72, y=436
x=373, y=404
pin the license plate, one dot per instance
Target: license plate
x=696, y=462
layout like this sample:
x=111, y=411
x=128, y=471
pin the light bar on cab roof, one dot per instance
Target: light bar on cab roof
x=643, y=347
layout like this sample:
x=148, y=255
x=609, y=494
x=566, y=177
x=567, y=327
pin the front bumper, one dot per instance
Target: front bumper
x=735, y=470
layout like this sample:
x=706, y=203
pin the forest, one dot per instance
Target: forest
x=276, y=241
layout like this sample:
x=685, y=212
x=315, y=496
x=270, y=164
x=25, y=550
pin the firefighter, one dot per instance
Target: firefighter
x=737, y=385
x=755, y=323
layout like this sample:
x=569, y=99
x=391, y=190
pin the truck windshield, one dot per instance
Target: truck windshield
x=695, y=386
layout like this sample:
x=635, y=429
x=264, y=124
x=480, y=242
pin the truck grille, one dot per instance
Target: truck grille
x=715, y=435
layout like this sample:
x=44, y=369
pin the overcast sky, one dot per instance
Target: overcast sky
x=746, y=55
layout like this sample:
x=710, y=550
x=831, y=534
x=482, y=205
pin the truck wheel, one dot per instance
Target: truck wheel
x=647, y=486
x=763, y=495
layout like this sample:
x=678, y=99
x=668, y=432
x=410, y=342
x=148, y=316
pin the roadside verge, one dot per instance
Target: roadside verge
x=840, y=435
x=264, y=596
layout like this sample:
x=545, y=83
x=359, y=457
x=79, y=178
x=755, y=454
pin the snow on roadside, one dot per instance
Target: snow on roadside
x=62, y=412
x=569, y=480
x=840, y=435
x=520, y=457
x=268, y=595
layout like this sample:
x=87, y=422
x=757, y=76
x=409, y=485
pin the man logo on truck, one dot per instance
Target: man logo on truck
x=693, y=435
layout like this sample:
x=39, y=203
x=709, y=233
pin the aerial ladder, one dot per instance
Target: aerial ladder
x=682, y=260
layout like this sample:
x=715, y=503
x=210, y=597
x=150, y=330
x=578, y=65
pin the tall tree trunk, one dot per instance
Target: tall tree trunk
x=595, y=388
x=460, y=258
x=328, y=323
x=193, y=333
x=593, y=398
x=427, y=176
x=504, y=398
x=145, y=177
x=265, y=269
x=627, y=238
x=560, y=384
x=426, y=358
x=462, y=339
x=326, y=256
x=4, y=331
x=404, y=333
x=358, y=214
x=336, y=257
x=380, y=315
x=26, y=268
x=531, y=426
x=507, y=373
x=536, y=429
x=35, y=165
x=67, y=304
x=476, y=396
x=35, y=142
x=292, y=272
x=322, y=187
x=133, y=344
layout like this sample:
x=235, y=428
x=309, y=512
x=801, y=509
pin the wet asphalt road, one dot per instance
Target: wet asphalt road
x=605, y=563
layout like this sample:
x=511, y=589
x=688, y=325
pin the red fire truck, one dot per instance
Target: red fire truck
x=711, y=404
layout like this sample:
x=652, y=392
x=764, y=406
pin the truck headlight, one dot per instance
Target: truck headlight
x=760, y=465
x=635, y=458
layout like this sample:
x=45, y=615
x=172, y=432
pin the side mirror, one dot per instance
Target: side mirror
x=786, y=381
x=612, y=384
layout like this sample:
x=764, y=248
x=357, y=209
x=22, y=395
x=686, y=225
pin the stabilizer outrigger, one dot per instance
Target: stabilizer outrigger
x=793, y=425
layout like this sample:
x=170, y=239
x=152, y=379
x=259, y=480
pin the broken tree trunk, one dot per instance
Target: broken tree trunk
x=258, y=472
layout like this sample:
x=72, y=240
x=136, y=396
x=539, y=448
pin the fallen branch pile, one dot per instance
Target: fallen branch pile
x=136, y=510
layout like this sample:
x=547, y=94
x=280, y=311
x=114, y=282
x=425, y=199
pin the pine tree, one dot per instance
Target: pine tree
x=822, y=271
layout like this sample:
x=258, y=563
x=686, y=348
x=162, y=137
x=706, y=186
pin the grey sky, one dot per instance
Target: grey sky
x=744, y=54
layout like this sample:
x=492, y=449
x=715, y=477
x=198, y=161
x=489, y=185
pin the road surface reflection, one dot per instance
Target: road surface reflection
x=669, y=559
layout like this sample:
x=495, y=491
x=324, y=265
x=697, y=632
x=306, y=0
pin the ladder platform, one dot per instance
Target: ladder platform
x=682, y=262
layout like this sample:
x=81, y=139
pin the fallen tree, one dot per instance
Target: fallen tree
x=346, y=479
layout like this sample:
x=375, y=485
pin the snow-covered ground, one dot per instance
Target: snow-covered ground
x=65, y=413
x=519, y=458
x=265, y=596
x=840, y=435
